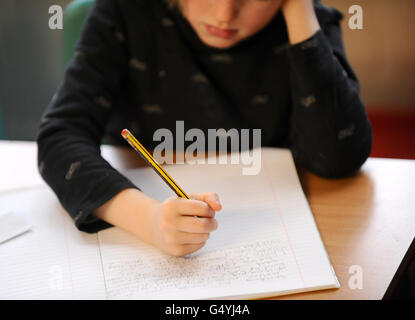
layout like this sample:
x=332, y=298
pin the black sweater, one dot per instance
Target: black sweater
x=140, y=65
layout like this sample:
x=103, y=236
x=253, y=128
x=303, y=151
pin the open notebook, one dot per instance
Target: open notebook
x=267, y=243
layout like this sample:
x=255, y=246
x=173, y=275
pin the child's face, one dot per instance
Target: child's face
x=224, y=23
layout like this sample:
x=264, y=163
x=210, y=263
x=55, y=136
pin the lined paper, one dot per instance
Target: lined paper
x=51, y=261
x=11, y=225
x=266, y=244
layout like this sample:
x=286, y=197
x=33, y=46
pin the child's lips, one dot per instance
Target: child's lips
x=222, y=33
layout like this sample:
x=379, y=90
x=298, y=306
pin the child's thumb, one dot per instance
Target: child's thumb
x=211, y=198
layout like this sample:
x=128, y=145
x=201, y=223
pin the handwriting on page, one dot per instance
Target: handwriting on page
x=257, y=261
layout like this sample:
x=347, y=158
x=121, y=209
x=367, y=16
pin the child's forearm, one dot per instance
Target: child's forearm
x=300, y=19
x=129, y=210
x=331, y=135
x=171, y=225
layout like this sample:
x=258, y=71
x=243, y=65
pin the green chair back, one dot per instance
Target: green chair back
x=74, y=18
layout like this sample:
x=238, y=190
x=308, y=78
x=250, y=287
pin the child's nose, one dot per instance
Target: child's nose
x=226, y=10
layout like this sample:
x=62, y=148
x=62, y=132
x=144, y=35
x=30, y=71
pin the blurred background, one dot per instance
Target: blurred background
x=382, y=54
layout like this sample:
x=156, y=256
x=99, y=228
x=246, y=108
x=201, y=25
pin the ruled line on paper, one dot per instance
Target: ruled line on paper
x=283, y=223
x=67, y=253
x=102, y=265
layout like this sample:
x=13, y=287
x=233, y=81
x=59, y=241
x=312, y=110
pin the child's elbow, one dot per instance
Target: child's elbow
x=343, y=163
x=339, y=169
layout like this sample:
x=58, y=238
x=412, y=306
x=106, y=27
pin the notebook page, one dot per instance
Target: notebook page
x=17, y=152
x=301, y=231
x=266, y=244
x=51, y=261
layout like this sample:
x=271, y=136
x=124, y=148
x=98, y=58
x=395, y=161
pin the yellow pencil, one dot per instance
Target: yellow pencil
x=137, y=146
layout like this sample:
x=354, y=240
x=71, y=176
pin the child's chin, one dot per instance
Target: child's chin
x=218, y=43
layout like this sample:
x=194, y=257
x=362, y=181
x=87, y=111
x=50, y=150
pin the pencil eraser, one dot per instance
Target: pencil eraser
x=124, y=132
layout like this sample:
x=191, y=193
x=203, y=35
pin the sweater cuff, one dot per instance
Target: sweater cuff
x=84, y=218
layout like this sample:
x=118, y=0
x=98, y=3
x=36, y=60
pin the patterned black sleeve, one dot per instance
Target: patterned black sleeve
x=73, y=124
x=330, y=132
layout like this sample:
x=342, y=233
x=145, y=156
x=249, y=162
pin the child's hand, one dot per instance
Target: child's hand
x=300, y=18
x=286, y=4
x=181, y=226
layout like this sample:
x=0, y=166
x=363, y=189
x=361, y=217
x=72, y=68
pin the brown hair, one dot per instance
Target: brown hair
x=173, y=3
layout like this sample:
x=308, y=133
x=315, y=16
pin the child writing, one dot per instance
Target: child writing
x=276, y=65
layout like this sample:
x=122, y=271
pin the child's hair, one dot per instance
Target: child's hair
x=173, y=3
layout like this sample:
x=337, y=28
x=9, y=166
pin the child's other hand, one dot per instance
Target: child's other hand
x=181, y=226
x=300, y=18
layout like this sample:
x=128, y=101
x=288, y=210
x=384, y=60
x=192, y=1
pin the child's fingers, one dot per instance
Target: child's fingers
x=211, y=198
x=181, y=237
x=192, y=207
x=196, y=225
x=185, y=249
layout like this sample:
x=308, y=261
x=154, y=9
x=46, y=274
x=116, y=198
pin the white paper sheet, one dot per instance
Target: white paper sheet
x=11, y=226
x=267, y=243
x=52, y=261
